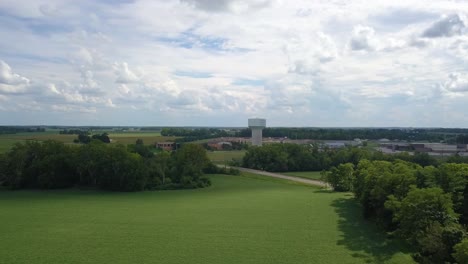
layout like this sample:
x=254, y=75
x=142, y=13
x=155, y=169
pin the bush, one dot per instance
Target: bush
x=461, y=251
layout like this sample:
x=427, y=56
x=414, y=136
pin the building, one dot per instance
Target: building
x=165, y=145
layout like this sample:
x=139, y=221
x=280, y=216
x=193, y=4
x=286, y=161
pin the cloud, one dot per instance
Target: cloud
x=11, y=82
x=400, y=17
x=200, y=62
x=210, y=5
x=456, y=83
x=8, y=77
x=124, y=74
x=228, y=5
x=363, y=38
x=308, y=53
x=448, y=26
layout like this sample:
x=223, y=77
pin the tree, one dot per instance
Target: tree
x=427, y=220
x=461, y=251
x=420, y=209
x=141, y=149
x=188, y=164
x=341, y=177
x=83, y=138
x=104, y=137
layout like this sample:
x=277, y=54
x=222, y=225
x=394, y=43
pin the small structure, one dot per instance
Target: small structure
x=165, y=145
x=256, y=125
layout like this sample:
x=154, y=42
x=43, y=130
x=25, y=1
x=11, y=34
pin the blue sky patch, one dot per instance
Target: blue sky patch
x=193, y=74
x=250, y=82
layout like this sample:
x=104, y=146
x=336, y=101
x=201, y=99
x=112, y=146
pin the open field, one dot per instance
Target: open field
x=239, y=219
x=314, y=175
x=131, y=137
x=223, y=157
x=8, y=140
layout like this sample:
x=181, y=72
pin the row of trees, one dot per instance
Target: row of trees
x=74, y=132
x=427, y=206
x=420, y=134
x=294, y=157
x=52, y=164
x=19, y=129
x=84, y=138
x=188, y=135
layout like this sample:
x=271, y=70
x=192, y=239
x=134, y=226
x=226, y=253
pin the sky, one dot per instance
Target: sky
x=310, y=63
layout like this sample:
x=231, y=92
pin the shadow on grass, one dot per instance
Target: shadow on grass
x=364, y=237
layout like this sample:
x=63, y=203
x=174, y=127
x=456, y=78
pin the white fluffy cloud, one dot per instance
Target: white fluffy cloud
x=11, y=82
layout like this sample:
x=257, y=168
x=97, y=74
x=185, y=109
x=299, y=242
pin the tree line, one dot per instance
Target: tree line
x=426, y=206
x=188, y=135
x=84, y=138
x=51, y=164
x=317, y=157
x=19, y=129
x=74, y=132
x=420, y=134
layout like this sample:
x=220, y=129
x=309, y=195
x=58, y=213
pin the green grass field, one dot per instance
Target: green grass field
x=223, y=157
x=239, y=219
x=314, y=175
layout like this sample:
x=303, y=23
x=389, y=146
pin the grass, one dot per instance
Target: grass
x=314, y=175
x=223, y=157
x=239, y=219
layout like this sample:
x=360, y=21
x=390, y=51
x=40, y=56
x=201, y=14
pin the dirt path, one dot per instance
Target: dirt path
x=286, y=177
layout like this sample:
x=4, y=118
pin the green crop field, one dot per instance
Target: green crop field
x=223, y=157
x=314, y=175
x=239, y=219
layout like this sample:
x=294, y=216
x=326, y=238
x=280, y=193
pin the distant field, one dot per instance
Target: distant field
x=239, y=219
x=314, y=175
x=222, y=157
x=7, y=141
x=147, y=137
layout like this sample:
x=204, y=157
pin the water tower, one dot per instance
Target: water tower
x=256, y=125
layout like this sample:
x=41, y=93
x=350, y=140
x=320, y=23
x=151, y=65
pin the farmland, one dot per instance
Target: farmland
x=239, y=219
x=8, y=140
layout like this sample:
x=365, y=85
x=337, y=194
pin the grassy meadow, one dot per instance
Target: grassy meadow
x=313, y=175
x=239, y=219
x=223, y=157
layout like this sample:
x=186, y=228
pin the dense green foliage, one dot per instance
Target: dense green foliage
x=314, y=157
x=452, y=135
x=236, y=220
x=461, y=252
x=427, y=206
x=51, y=164
x=340, y=178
